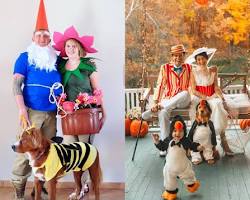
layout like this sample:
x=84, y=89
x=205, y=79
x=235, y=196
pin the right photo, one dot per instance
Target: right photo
x=187, y=99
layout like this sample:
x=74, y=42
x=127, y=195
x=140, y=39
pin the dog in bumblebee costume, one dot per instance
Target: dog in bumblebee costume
x=177, y=163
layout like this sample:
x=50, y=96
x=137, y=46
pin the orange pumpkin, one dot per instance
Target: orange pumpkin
x=202, y=2
x=244, y=123
x=134, y=128
x=127, y=126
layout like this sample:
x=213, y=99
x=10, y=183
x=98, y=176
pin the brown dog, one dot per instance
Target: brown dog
x=50, y=161
x=203, y=132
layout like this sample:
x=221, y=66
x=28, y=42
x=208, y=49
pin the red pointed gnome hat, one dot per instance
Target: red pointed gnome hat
x=41, y=22
x=71, y=33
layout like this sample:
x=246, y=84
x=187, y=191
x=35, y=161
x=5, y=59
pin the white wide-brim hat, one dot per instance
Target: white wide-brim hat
x=209, y=51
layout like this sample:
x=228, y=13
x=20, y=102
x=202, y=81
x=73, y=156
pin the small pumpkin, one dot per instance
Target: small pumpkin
x=127, y=126
x=135, y=126
x=202, y=2
x=244, y=123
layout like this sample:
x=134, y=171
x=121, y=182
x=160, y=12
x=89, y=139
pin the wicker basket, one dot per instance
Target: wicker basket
x=81, y=122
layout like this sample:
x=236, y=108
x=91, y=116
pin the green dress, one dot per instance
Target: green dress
x=77, y=80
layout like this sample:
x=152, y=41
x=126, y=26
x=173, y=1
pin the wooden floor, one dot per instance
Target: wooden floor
x=228, y=179
x=62, y=194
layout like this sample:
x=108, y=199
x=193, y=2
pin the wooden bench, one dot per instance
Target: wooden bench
x=225, y=79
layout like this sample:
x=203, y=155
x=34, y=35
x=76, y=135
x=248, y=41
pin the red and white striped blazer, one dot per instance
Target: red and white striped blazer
x=169, y=83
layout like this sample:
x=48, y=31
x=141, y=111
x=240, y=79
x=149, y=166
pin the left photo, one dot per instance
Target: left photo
x=60, y=119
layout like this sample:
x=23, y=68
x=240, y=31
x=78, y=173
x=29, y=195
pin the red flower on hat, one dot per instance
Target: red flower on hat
x=178, y=125
x=71, y=33
x=203, y=103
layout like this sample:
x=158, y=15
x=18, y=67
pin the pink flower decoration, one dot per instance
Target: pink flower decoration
x=71, y=33
x=97, y=92
x=68, y=106
x=94, y=100
x=63, y=95
x=98, y=101
x=90, y=100
x=60, y=99
x=83, y=97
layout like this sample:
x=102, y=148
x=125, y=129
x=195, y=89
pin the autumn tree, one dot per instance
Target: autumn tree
x=222, y=24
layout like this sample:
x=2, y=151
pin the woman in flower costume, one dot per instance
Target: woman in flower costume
x=78, y=73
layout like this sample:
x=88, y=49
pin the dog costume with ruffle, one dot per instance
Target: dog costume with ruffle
x=203, y=133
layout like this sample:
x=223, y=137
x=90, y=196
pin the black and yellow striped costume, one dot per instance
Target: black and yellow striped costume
x=74, y=156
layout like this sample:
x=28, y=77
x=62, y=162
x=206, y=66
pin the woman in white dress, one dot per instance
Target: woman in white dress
x=204, y=85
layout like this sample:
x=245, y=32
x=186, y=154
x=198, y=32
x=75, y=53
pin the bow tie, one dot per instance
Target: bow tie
x=173, y=143
x=200, y=124
x=178, y=69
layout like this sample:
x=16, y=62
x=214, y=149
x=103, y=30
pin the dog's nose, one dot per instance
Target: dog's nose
x=202, y=111
x=13, y=147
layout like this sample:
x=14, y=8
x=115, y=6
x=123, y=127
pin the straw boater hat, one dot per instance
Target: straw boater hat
x=41, y=23
x=178, y=49
x=71, y=33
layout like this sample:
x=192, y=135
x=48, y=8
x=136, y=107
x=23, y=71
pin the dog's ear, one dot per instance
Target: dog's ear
x=208, y=107
x=39, y=141
x=197, y=106
x=36, y=137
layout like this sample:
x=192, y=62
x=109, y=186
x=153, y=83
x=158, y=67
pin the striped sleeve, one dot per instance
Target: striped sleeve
x=160, y=86
x=189, y=67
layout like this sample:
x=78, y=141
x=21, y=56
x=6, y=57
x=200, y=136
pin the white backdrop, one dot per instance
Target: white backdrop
x=104, y=20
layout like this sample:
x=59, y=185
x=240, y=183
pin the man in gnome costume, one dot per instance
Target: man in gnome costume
x=171, y=90
x=35, y=70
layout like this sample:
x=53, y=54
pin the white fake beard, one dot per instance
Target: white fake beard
x=42, y=57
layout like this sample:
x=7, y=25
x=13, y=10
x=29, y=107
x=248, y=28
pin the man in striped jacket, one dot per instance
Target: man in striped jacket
x=172, y=90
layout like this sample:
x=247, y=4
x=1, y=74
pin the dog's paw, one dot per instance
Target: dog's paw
x=74, y=196
x=210, y=161
x=197, y=162
x=86, y=188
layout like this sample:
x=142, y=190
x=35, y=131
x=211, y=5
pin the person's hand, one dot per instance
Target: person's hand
x=24, y=118
x=213, y=68
x=156, y=107
x=200, y=148
x=103, y=119
x=155, y=137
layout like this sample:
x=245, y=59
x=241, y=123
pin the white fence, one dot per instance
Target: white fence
x=132, y=95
